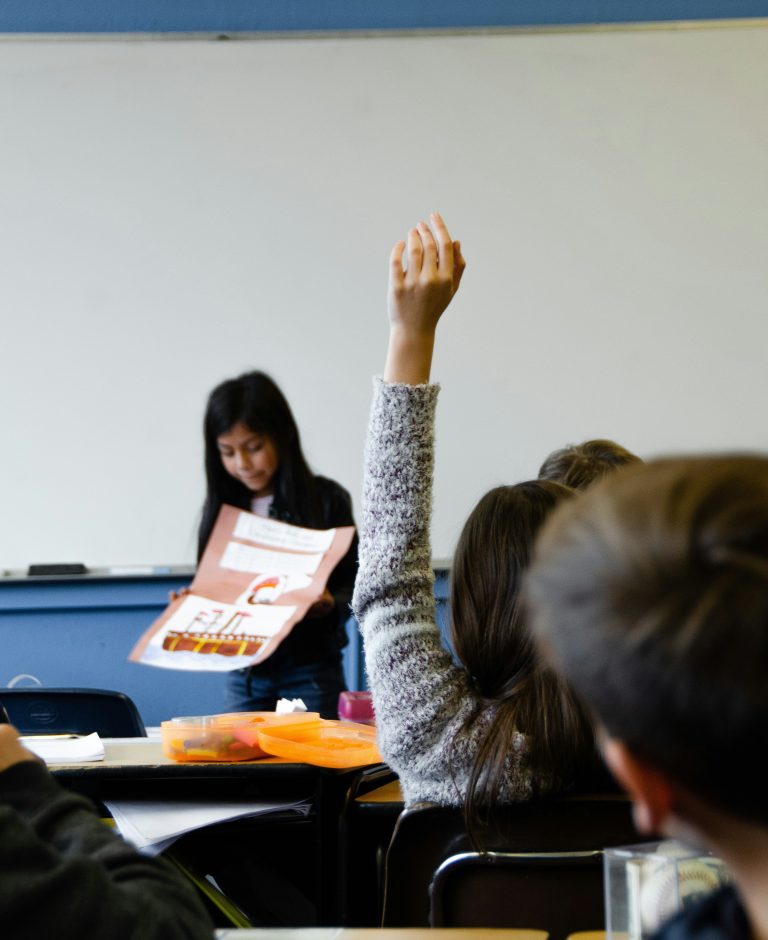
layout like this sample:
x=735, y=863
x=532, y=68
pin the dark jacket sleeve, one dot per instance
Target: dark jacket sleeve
x=342, y=579
x=65, y=874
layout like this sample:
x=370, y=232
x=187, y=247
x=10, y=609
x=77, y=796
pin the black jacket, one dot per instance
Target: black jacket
x=64, y=874
x=321, y=638
x=718, y=916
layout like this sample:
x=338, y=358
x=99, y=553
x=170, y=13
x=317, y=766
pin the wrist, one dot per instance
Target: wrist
x=409, y=355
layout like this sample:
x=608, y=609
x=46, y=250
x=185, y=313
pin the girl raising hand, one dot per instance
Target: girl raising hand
x=500, y=726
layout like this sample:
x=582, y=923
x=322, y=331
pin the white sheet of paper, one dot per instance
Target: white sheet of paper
x=276, y=534
x=76, y=750
x=153, y=826
x=241, y=557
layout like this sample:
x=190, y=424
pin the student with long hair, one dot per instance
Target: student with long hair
x=500, y=726
x=254, y=461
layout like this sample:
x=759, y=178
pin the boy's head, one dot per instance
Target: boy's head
x=650, y=593
x=581, y=465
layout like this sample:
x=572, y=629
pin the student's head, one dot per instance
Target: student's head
x=650, y=593
x=490, y=634
x=248, y=426
x=580, y=465
x=252, y=447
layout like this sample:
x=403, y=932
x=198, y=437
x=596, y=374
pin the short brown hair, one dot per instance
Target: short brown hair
x=650, y=593
x=580, y=465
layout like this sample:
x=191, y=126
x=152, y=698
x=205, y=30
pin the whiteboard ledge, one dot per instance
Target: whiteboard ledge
x=250, y=36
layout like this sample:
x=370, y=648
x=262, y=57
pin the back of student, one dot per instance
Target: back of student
x=500, y=726
x=651, y=595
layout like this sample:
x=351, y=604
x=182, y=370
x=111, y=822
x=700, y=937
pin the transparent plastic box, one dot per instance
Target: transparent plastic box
x=229, y=737
x=303, y=737
x=647, y=884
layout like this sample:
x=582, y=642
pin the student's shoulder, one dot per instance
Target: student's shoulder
x=335, y=501
x=331, y=489
x=717, y=916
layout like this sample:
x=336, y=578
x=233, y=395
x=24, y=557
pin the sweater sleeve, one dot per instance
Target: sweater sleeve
x=64, y=873
x=420, y=697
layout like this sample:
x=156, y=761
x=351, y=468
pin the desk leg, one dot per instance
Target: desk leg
x=330, y=800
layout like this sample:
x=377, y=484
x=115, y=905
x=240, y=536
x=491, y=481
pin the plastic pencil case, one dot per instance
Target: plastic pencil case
x=356, y=706
x=230, y=737
x=324, y=743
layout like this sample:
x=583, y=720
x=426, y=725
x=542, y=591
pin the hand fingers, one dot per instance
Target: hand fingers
x=444, y=243
x=429, y=262
x=415, y=254
x=396, y=273
x=458, y=265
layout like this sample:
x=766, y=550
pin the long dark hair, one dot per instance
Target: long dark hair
x=253, y=399
x=490, y=634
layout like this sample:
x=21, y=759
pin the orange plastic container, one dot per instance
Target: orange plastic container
x=229, y=737
x=324, y=743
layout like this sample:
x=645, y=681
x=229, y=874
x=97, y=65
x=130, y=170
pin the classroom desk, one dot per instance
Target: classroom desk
x=366, y=830
x=135, y=768
x=389, y=795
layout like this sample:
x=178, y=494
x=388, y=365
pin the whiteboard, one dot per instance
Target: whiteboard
x=175, y=212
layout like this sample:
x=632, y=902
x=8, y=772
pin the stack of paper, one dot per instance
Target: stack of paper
x=65, y=748
x=153, y=826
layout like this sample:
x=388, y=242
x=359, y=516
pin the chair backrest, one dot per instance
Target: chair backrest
x=426, y=835
x=554, y=891
x=72, y=711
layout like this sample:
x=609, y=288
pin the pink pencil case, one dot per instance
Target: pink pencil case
x=356, y=706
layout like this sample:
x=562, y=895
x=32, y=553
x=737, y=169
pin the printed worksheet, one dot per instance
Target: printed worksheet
x=257, y=578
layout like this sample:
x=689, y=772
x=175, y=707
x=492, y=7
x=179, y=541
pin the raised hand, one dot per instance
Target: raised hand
x=12, y=751
x=417, y=298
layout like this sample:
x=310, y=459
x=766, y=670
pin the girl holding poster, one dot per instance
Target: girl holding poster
x=254, y=461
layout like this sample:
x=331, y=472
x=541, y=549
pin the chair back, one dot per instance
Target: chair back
x=72, y=711
x=426, y=835
x=556, y=891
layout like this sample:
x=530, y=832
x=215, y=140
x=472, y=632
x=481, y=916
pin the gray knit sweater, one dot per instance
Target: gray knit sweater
x=421, y=698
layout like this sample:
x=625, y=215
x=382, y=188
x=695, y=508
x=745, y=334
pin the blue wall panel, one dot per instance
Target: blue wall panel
x=226, y=16
x=79, y=633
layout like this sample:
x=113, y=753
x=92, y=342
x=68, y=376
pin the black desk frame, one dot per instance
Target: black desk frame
x=327, y=789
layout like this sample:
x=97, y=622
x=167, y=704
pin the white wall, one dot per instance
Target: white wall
x=174, y=212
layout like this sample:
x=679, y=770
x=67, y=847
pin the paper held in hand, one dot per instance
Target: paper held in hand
x=257, y=578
